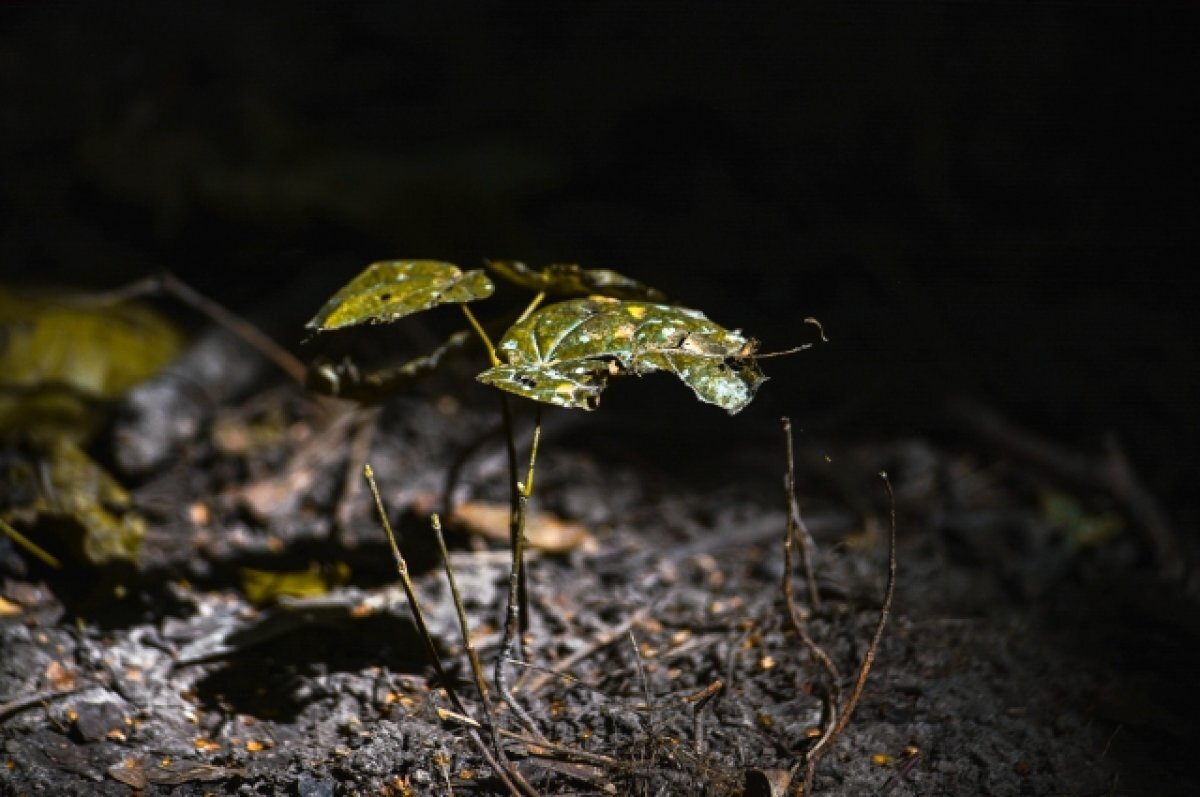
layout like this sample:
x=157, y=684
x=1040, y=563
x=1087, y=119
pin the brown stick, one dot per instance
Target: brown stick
x=17, y=705
x=512, y=779
x=465, y=631
x=366, y=421
x=167, y=283
x=797, y=621
x=796, y=525
x=864, y=670
x=612, y=635
x=1112, y=473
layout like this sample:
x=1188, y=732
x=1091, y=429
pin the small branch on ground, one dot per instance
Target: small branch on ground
x=1111, y=473
x=826, y=741
x=793, y=535
x=17, y=705
x=796, y=527
x=167, y=283
x=512, y=779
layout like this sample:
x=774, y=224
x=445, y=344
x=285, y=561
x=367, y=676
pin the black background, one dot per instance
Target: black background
x=995, y=200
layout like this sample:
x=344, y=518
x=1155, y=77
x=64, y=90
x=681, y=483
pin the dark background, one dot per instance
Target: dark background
x=990, y=200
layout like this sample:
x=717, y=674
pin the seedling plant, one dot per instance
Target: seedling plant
x=581, y=328
x=562, y=353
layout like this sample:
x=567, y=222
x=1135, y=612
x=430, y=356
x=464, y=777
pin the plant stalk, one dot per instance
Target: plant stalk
x=512, y=620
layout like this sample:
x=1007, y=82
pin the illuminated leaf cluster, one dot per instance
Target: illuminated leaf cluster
x=564, y=353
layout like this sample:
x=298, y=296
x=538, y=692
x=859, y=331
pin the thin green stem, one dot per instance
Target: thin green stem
x=29, y=545
x=533, y=452
x=533, y=305
x=483, y=335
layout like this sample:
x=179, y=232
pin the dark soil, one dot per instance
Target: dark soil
x=997, y=675
x=974, y=199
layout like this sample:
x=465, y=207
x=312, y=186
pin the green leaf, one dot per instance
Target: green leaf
x=564, y=353
x=61, y=356
x=392, y=289
x=569, y=279
x=263, y=587
x=71, y=497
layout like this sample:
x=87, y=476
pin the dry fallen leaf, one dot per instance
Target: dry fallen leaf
x=544, y=531
x=59, y=676
x=8, y=608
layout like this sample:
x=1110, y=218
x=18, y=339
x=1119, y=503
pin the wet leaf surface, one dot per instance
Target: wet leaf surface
x=564, y=353
x=570, y=279
x=389, y=290
x=263, y=587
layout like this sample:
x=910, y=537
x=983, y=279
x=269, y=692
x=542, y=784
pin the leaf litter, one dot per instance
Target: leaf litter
x=649, y=673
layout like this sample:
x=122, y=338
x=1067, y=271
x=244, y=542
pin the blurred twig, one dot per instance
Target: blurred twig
x=1111, y=472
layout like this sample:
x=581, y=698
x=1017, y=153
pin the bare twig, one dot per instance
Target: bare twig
x=864, y=670
x=167, y=283
x=612, y=635
x=833, y=697
x=19, y=704
x=542, y=748
x=637, y=657
x=1112, y=473
x=465, y=630
x=366, y=421
x=512, y=779
x=796, y=526
x=702, y=699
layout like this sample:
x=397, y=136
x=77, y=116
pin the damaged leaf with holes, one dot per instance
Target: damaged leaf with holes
x=564, y=354
x=390, y=290
x=570, y=279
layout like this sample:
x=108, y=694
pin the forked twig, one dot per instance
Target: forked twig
x=796, y=534
x=1111, y=472
x=826, y=741
x=512, y=779
x=796, y=526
